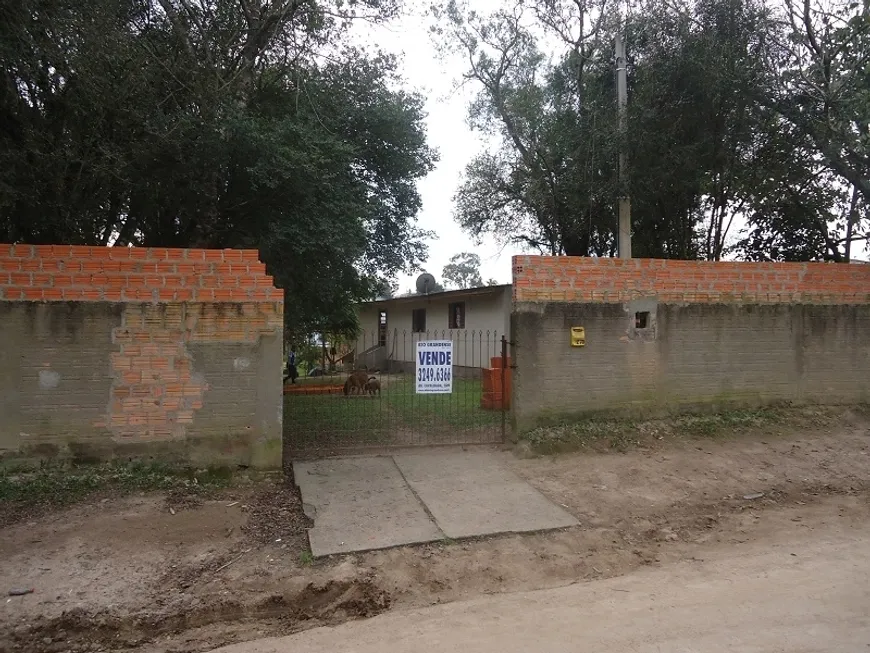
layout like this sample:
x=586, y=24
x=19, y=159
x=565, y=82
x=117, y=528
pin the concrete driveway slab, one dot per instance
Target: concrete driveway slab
x=472, y=494
x=359, y=504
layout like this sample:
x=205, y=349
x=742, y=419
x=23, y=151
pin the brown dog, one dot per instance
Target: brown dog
x=373, y=386
x=356, y=382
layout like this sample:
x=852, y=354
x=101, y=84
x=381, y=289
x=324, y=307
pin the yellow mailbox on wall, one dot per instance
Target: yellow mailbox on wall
x=578, y=337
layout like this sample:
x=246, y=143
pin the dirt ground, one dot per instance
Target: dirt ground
x=806, y=592
x=155, y=573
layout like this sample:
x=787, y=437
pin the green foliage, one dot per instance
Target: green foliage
x=463, y=271
x=61, y=484
x=548, y=184
x=694, y=124
x=621, y=434
x=819, y=82
x=737, y=110
x=387, y=289
x=215, y=124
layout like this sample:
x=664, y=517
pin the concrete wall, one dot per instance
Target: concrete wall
x=717, y=334
x=487, y=319
x=140, y=352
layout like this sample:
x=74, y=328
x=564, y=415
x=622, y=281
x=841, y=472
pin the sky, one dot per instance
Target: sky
x=448, y=132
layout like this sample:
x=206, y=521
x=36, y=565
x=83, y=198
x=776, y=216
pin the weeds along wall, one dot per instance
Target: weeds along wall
x=137, y=352
x=663, y=335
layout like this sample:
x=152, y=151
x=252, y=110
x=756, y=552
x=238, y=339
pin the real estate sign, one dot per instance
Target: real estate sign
x=434, y=364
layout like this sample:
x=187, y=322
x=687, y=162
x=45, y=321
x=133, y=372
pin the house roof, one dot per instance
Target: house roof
x=447, y=294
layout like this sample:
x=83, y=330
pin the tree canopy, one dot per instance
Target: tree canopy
x=215, y=123
x=739, y=111
x=463, y=271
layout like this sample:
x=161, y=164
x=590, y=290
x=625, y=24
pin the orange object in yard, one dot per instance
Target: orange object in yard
x=495, y=397
x=293, y=389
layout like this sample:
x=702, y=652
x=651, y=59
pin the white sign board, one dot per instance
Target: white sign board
x=434, y=367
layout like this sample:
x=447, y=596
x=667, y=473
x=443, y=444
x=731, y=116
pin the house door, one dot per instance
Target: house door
x=382, y=329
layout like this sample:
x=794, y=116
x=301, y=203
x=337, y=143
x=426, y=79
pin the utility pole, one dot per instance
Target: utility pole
x=624, y=238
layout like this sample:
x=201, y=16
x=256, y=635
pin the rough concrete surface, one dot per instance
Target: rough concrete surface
x=809, y=596
x=691, y=355
x=472, y=494
x=376, y=502
x=104, y=380
x=359, y=504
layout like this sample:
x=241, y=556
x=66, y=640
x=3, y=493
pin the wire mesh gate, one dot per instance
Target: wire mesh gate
x=366, y=393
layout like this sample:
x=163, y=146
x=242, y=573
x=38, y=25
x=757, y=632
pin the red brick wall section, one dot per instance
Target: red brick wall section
x=156, y=391
x=170, y=297
x=611, y=280
x=133, y=274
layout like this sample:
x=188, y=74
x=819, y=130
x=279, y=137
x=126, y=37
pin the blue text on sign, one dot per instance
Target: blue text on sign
x=434, y=357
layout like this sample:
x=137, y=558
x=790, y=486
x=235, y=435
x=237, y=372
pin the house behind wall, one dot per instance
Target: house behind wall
x=663, y=335
x=155, y=353
x=486, y=318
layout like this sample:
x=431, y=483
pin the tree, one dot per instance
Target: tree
x=821, y=102
x=386, y=289
x=819, y=84
x=463, y=271
x=798, y=209
x=216, y=123
x=694, y=121
x=547, y=183
x=735, y=112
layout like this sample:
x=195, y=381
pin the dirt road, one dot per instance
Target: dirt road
x=806, y=594
x=152, y=573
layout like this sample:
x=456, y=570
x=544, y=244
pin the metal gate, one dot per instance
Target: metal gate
x=370, y=393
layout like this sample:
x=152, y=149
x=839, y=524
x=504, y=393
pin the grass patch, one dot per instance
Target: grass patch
x=460, y=409
x=613, y=433
x=359, y=419
x=311, y=416
x=58, y=484
x=621, y=434
x=717, y=424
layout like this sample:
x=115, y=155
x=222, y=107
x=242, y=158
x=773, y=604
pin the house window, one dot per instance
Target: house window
x=418, y=320
x=456, y=315
x=382, y=329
